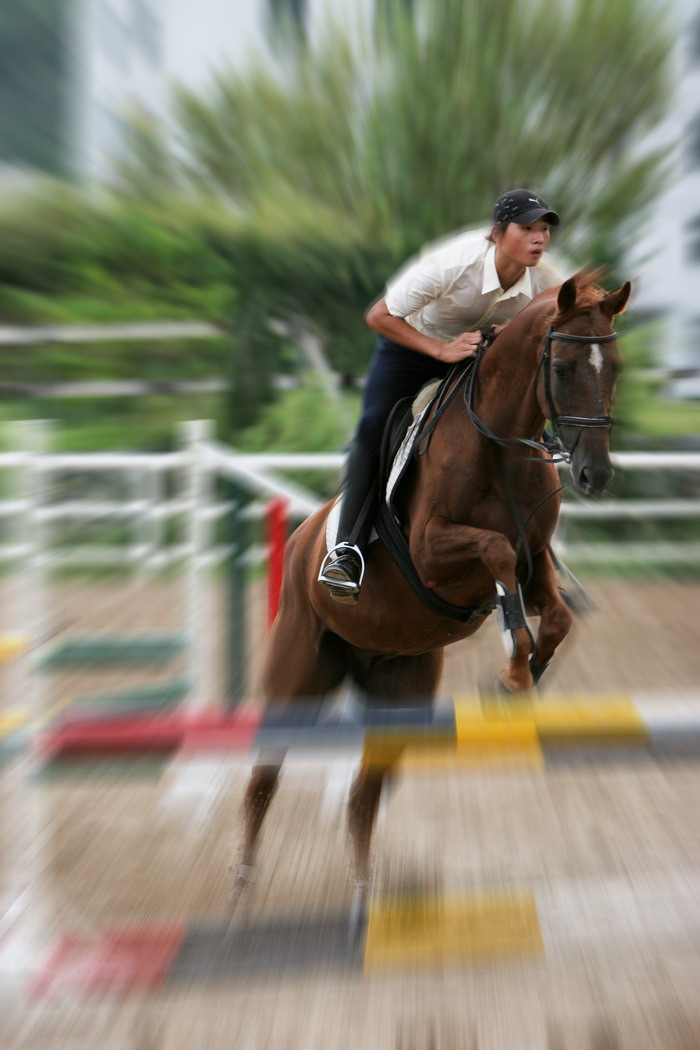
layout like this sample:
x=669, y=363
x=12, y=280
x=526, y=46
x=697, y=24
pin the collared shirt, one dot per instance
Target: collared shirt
x=453, y=287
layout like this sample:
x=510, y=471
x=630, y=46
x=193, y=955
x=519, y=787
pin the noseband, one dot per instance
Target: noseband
x=545, y=363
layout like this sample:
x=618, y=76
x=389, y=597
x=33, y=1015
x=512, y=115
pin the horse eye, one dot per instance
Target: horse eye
x=562, y=369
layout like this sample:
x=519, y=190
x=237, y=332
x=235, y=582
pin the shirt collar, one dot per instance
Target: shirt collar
x=491, y=282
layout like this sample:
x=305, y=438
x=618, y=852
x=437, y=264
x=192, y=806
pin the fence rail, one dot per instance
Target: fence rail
x=259, y=473
x=42, y=519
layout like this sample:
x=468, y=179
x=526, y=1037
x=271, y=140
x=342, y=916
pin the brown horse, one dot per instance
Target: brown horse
x=480, y=505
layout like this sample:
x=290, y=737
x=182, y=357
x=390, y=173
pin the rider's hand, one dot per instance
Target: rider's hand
x=465, y=345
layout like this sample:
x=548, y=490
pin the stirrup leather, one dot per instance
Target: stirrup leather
x=342, y=590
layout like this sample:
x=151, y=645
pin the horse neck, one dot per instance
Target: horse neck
x=505, y=395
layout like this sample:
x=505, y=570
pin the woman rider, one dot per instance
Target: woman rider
x=431, y=317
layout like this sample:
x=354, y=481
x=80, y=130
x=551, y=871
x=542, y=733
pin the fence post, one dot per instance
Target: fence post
x=198, y=606
x=235, y=633
x=35, y=436
x=276, y=538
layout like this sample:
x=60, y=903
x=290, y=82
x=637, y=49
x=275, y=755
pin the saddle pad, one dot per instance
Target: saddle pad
x=398, y=466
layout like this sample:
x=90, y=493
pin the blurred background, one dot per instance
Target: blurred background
x=198, y=202
x=263, y=168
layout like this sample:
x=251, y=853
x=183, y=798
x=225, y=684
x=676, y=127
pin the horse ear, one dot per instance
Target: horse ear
x=567, y=296
x=616, y=302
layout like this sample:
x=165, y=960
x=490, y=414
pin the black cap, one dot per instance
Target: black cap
x=522, y=206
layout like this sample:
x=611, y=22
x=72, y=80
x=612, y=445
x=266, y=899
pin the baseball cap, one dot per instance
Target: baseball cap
x=522, y=206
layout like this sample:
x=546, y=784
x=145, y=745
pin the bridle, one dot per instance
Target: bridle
x=554, y=446
x=545, y=365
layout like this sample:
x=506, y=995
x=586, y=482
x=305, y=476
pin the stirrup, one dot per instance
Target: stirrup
x=341, y=588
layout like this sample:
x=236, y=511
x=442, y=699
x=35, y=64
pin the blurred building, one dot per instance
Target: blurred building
x=35, y=63
x=69, y=72
x=119, y=64
x=668, y=250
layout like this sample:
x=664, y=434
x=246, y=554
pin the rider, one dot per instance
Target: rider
x=431, y=317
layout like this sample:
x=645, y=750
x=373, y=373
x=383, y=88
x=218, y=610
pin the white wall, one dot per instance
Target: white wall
x=118, y=63
x=667, y=279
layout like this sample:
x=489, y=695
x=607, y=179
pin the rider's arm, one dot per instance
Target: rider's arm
x=400, y=331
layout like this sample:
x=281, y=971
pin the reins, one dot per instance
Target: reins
x=554, y=446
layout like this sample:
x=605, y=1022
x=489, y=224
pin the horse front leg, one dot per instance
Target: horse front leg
x=542, y=596
x=443, y=547
x=363, y=804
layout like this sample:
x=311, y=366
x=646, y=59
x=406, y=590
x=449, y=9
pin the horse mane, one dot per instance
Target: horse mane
x=589, y=293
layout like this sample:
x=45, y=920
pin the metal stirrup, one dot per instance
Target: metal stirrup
x=334, y=553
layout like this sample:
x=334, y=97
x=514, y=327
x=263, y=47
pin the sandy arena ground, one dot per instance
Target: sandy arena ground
x=610, y=854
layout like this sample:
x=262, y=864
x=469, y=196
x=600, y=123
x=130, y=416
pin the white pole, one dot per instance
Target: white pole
x=198, y=495
x=26, y=913
x=148, y=527
x=35, y=436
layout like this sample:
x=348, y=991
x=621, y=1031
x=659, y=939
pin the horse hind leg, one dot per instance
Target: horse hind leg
x=396, y=680
x=296, y=672
x=261, y=789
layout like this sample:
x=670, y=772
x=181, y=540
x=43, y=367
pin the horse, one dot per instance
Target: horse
x=479, y=507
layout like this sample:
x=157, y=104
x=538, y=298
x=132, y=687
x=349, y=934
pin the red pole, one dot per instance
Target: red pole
x=276, y=538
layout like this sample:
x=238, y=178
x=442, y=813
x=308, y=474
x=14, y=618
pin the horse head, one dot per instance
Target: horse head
x=578, y=371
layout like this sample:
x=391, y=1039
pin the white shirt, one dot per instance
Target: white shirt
x=453, y=287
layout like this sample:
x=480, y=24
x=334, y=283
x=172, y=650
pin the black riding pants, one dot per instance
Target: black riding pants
x=395, y=372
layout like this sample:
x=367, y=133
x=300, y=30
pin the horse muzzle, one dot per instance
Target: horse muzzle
x=591, y=470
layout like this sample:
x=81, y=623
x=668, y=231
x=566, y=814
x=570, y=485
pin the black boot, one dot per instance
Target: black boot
x=343, y=567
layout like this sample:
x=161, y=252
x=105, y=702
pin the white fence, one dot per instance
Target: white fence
x=33, y=509
x=182, y=485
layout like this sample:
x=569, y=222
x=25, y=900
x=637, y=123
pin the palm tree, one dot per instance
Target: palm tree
x=419, y=121
x=348, y=152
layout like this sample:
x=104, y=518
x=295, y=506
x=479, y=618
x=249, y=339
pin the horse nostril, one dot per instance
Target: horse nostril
x=593, y=482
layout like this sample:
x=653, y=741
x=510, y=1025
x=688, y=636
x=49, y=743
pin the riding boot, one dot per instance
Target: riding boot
x=343, y=567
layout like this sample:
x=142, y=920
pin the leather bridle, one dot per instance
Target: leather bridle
x=545, y=365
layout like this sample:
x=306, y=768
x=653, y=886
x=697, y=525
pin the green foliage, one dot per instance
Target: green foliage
x=417, y=123
x=302, y=420
x=301, y=184
x=344, y=156
x=57, y=242
x=148, y=423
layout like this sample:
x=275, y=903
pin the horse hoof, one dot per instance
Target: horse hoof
x=496, y=696
x=235, y=913
x=493, y=692
x=244, y=877
x=358, y=914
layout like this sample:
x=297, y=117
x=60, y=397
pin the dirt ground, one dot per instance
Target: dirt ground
x=610, y=854
x=643, y=636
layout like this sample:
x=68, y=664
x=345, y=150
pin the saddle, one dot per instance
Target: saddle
x=403, y=433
